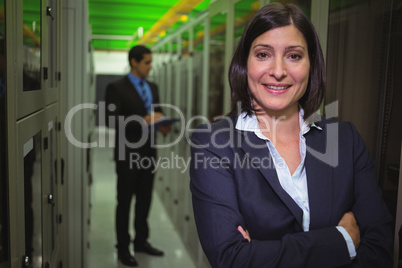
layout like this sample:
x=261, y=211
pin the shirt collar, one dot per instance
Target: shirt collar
x=134, y=79
x=250, y=123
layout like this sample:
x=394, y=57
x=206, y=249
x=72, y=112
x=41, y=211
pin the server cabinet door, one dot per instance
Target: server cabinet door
x=217, y=65
x=4, y=200
x=30, y=195
x=51, y=185
x=4, y=204
x=180, y=147
x=199, y=96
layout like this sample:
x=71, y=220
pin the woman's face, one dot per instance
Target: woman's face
x=278, y=70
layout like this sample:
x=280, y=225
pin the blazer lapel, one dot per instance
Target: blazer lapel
x=319, y=179
x=255, y=148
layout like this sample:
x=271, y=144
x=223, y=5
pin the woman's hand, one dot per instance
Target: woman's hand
x=348, y=222
x=245, y=233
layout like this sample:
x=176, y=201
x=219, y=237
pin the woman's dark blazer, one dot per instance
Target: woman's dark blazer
x=233, y=182
x=128, y=103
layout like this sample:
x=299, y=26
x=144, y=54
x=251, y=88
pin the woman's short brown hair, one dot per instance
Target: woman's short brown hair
x=269, y=17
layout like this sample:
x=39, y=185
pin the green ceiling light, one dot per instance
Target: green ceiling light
x=168, y=20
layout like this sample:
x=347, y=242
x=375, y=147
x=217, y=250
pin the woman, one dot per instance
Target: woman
x=272, y=188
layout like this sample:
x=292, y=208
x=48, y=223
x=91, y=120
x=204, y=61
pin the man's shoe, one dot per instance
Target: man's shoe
x=126, y=258
x=147, y=248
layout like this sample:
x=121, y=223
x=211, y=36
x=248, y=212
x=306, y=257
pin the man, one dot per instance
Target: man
x=129, y=103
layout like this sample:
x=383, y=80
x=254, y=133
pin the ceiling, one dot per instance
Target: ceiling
x=115, y=24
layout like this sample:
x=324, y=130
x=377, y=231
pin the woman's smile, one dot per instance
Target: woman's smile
x=277, y=89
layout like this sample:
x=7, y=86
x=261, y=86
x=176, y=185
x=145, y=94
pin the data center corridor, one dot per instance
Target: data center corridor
x=102, y=253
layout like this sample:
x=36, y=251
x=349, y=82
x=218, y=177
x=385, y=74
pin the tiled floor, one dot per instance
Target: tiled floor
x=102, y=253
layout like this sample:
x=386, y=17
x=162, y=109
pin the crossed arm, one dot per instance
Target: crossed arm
x=348, y=222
